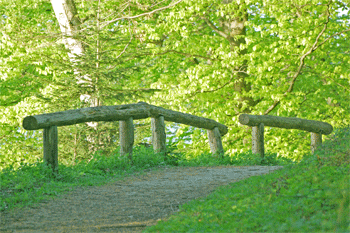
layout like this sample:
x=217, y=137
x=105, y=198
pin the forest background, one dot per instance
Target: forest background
x=215, y=59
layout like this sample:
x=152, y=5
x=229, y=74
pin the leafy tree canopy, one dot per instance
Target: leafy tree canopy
x=215, y=59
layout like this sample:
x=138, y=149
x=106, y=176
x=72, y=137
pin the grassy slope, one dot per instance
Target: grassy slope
x=312, y=196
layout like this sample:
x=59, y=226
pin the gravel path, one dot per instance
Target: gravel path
x=127, y=205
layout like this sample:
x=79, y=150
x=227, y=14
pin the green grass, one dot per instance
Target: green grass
x=311, y=196
x=31, y=183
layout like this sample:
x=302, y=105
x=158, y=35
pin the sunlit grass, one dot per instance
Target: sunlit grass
x=31, y=183
x=312, y=196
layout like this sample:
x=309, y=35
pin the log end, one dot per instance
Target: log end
x=327, y=129
x=223, y=130
x=30, y=123
x=243, y=119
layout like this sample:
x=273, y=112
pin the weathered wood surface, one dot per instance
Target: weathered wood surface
x=51, y=147
x=187, y=119
x=258, y=140
x=158, y=134
x=75, y=116
x=126, y=137
x=287, y=122
x=117, y=113
x=215, y=141
x=316, y=141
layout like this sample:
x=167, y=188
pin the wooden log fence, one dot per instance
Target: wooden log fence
x=317, y=128
x=125, y=114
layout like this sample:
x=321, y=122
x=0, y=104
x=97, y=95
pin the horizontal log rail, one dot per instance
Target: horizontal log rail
x=140, y=110
x=287, y=123
x=317, y=128
x=125, y=114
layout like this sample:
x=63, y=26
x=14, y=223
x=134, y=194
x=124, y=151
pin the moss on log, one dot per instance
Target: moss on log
x=118, y=113
x=287, y=123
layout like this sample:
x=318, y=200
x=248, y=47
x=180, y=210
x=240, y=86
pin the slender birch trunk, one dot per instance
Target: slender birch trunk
x=69, y=21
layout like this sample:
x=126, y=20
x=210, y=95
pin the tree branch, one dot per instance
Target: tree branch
x=173, y=51
x=140, y=15
x=216, y=89
x=212, y=26
x=302, y=61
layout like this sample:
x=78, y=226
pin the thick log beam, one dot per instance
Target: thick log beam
x=51, y=147
x=158, y=134
x=126, y=137
x=287, y=123
x=118, y=113
x=215, y=141
x=75, y=116
x=187, y=119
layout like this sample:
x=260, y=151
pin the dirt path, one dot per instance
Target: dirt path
x=127, y=205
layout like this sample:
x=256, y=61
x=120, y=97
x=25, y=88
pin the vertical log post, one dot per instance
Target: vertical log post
x=51, y=147
x=258, y=140
x=316, y=141
x=126, y=137
x=158, y=134
x=215, y=141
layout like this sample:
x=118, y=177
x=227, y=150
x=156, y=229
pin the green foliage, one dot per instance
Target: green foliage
x=279, y=36
x=239, y=159
x=311, y=196
x=291, y=58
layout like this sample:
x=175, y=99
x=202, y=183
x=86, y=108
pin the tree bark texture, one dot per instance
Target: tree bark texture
x=187, y=119
x=126, y=137
x=316, y=141
x=287, y=123
x=234, y=29
x=75, y=116
x=258, y=140
x=116, y=113
x=215, y=141
x=158, y=134
x=67, y=16
x=51, y=147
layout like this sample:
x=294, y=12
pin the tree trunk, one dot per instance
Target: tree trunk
x=68, y=19
x=235, y=31
x=66, y=14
